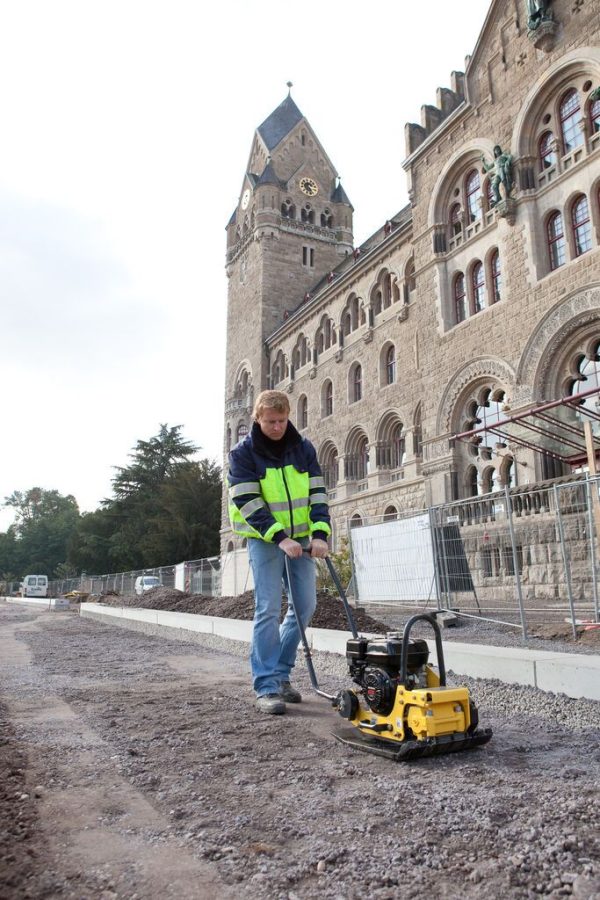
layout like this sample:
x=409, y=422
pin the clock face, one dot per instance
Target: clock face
x=309, y=187
x=246, y=198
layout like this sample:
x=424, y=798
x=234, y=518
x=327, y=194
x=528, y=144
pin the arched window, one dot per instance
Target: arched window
x=555, y=234
x=398, y=446
x=288, y=210
x=357, y=456
x=325, y=335
x=229, y=546
x=473, y=191
x=410, y=281
x=471, y=482
x=582, y=227
x=228, y=440
x=489, y=194
x=327, y=399
x=587, y=366
x=278, y=371
x=487, y=479
x=387, y=291
x=455, y=220
x=485, y=411
x=326, y=219
x=376, y=302
x=302, y=412
x=307, y=214
x=570, y=117
x=242, y=431
x=478, y=287
x=460, y=309
x=496, y=277
x=355, y=383
x=328, y=459
x=346, y=323
x=547, y=150
x=301, y=352
x=390, y=365
x=390, y=449
x=390, y=514
x=355, y=521
x=595, y=116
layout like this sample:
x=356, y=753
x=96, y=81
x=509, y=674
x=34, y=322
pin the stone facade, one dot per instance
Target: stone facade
x=457, y=308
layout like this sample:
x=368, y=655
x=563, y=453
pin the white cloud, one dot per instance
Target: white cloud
x=126, y=130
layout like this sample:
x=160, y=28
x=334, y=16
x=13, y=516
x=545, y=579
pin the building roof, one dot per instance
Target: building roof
x=268, y=175
x=280, y=123
x=340, y=196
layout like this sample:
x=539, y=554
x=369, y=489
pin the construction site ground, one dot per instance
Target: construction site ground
x=133, y=766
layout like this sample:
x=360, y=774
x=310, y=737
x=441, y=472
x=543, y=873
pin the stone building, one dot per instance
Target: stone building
x=482, y=296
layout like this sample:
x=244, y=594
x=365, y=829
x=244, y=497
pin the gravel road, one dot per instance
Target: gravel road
x=133, y=766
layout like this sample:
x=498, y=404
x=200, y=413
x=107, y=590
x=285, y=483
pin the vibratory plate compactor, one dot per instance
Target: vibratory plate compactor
x=402, y=707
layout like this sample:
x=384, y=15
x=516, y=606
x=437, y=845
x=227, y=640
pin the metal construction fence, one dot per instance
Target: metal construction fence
x=197, y=576
x=517, y=556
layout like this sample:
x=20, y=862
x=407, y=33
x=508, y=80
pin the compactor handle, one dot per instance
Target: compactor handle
x=336, y=580
x=423, y=617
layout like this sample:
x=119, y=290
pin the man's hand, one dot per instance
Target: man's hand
x=291, y=548
x=319, y=549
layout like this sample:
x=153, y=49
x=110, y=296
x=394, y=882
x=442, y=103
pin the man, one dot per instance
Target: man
x=278, y=502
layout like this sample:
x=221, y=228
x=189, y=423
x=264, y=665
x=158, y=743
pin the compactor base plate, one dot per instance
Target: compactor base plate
x=411, y=749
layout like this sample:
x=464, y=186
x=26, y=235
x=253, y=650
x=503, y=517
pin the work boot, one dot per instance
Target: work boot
x=271, y=704
x=289, y=694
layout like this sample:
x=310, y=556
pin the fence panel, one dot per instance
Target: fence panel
x=522, y=556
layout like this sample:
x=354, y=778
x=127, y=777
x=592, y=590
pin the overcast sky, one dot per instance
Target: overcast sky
x=126, y=127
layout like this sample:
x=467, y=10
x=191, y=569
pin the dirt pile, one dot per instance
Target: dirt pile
x=330, y=611
x=563, y=631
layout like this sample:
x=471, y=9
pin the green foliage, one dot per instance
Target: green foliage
x=153, y=462
x=165, y=508
x=38, y=540
x=342, y=562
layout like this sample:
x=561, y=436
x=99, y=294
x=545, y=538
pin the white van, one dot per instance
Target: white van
x=145, y=583
x=34, y=586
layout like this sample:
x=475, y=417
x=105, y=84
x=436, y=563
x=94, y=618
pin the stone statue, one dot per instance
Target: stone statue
x=537, y=11
x=503, y=173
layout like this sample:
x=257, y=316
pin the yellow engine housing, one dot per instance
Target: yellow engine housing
x=419, y=713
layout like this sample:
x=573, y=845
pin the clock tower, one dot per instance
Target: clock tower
x=291, y=227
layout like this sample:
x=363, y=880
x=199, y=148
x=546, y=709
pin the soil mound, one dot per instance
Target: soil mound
x=330, y=611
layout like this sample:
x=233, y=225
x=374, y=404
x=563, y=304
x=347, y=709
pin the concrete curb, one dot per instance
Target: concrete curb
x=573, y=674
x=41, y=602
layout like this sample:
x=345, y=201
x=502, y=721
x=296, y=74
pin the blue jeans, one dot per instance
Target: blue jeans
x=274, y=647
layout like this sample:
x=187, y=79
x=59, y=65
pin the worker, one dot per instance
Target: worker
x=278, y=502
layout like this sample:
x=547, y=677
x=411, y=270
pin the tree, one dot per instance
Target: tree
x=190, y=502
x=153, y=462
x=45, y=522
x=166, y=508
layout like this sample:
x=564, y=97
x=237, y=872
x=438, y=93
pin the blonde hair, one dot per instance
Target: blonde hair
x=276, y=400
